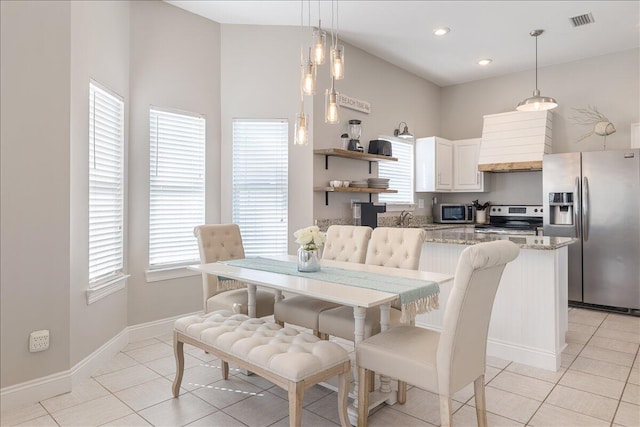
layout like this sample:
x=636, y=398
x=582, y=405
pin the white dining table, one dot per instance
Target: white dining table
x=358, y=298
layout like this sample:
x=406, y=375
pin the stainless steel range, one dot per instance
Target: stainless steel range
x=512, y=219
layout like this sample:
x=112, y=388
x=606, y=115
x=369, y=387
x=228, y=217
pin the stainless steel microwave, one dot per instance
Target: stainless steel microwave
x=452, y=213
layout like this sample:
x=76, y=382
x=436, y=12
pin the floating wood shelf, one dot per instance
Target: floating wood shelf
x=328, y=190
x=355, y=155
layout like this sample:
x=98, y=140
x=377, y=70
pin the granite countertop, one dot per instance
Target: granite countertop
x=466, y=236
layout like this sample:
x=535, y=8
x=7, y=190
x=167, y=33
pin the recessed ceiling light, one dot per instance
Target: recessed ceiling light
x=485, y=61
x=441, y=31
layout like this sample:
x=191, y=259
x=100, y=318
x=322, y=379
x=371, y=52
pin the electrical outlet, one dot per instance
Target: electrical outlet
x=420, y=203
x=39, y=340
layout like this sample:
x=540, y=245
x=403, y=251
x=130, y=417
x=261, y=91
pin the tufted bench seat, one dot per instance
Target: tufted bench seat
x=289, y=358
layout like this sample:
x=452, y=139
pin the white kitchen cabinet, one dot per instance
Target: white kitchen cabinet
x=434, y=164
x=466, y=177
x=449, y=166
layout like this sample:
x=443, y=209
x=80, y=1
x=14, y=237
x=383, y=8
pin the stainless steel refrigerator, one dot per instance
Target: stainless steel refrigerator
x=595, y=197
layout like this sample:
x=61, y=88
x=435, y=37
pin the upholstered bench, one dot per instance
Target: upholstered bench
x=289, y=358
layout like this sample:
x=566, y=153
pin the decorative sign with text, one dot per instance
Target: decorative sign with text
x=354, y=104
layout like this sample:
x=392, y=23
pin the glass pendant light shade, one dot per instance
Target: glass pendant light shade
x=537, y=102
x=331, y=106
x=301, y=129
x=337, y=62
x=319, y=45
x=309, y=79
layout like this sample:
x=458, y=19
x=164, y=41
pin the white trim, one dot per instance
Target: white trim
x=43, y=388
x=90, y=364
x=35, y=390
x=99, y=292
x=168, y=274
x=398, y=207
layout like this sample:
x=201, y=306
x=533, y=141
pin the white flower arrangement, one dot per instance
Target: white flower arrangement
x=310, y=238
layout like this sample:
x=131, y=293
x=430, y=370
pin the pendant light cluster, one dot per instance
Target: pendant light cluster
x=309, y=66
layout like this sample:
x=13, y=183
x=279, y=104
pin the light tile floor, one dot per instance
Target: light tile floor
x=599, y=384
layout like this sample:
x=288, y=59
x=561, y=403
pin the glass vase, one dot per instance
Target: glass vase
x=308, y=261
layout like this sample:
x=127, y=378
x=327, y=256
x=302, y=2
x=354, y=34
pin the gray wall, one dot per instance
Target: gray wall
x=175, y=63
x=395, y=95
x=34, y=243
x=99, y=50
x=609, y=82
x=262, y=81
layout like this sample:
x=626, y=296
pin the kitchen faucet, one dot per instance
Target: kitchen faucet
x=404, y=218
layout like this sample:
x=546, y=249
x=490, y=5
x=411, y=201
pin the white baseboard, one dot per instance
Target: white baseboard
x=35, y=390
x=43, y=388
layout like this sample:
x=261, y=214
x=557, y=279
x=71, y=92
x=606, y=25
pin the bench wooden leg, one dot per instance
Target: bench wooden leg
x=363, y=396
x=178, y=351
x=224, y=367
x=296, y=394
x=344, y=380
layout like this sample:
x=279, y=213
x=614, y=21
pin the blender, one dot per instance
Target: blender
x=355, y=131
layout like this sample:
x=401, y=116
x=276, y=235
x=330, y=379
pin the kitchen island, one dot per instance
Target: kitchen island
x=530, y=314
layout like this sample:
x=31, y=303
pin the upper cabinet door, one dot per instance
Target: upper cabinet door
x=465, y=155
x=433, y=164
x=444, y=164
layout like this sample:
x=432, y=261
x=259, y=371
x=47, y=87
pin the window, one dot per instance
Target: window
x=106, y=182
x=176, y=187
x=400, y=173
x=260, y=184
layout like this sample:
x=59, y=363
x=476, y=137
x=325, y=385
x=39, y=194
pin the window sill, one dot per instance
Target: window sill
x=168, y=274
x=398, y=207
x=108, y=288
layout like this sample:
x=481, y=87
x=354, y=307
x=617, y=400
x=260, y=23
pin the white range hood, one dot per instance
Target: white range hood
x=515, y=141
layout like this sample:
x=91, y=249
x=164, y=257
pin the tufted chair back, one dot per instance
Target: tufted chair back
x=462, y=346
x=395, y=247
x=346, y=243
x=217, y=242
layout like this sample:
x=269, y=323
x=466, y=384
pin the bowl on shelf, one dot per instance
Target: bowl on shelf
x=345, y=183
x=335, y=183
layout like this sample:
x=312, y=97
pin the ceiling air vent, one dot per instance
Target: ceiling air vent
x=580, y=20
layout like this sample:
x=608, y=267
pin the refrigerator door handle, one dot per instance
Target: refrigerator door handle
x=585, y=208
x=576, y=211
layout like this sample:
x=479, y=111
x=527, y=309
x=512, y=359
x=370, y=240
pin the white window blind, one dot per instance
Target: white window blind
x=260, y=184
x=176, y=187
x=106, y=179
x=400, y=174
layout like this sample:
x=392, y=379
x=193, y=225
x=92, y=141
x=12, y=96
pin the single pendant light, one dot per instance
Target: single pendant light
x=337, y=50
x=301, y=129
x=537, y=102
x=309, y=77
x=331, y=105
x=319, y=41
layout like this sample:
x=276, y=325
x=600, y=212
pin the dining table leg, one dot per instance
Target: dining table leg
x=359, y=314
x=385, y=309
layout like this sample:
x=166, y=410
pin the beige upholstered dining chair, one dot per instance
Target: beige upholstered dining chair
x=443, y=362
x=222, y=242
x=346, y=243
x=388, y=247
